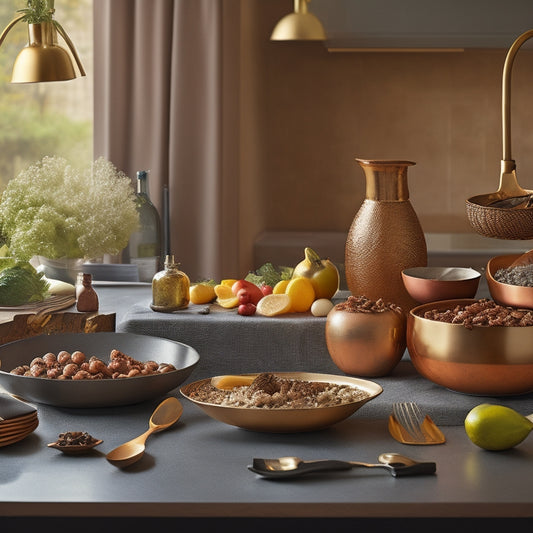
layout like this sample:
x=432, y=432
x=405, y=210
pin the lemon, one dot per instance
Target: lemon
x=225, y=296
x=201, y=293
x=273, y=305
x=229, y=282
x=301, y=293
x=280, y=286
x=496, y=427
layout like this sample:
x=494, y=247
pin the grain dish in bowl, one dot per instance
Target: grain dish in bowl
x=283, y=402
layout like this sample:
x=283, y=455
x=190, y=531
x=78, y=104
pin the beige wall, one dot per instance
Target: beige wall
x=308, y=113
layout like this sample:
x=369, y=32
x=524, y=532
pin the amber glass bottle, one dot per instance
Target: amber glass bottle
x=170, y=288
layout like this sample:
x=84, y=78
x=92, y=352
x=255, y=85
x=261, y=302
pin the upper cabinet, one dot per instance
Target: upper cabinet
x=422, y=24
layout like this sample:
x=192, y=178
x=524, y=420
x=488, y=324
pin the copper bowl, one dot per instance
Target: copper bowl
x=430, y=284
x=488, y=361
x=504, y=293
x=366, y=344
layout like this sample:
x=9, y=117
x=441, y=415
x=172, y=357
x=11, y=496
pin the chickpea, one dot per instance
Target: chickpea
x=50, y=359
x=37, y=370
x=81, y=374
x=38, y=361
x=63, y=357
x=96, y=366
x=78, y=357
x=53, y=373
x=70, y=370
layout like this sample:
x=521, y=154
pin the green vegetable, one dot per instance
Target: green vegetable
x=20, y=285
x=268, y=274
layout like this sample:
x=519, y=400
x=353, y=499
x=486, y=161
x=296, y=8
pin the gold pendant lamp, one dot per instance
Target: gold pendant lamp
x=42, y=59
x=299, y=26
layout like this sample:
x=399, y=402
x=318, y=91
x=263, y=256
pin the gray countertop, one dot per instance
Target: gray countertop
x=197, y=469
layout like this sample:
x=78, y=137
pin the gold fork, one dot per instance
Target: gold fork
x=408, y=425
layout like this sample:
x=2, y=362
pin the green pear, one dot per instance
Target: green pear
x=496, y=427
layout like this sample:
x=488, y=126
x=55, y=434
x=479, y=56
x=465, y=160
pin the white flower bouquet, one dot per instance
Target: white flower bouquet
x=56, y=211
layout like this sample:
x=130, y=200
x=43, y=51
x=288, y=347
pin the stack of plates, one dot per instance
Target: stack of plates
x=17, y=420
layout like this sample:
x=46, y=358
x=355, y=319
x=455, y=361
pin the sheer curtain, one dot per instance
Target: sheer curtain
x=164, y=74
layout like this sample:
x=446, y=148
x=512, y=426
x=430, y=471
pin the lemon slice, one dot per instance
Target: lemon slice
x=225, y=296
x=274, y=304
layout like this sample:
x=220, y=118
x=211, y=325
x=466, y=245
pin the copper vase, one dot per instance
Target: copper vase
x=385, y=236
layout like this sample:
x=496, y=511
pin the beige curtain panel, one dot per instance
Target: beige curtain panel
x=163, y=70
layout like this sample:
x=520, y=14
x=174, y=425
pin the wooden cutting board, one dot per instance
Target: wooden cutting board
x=30, y=324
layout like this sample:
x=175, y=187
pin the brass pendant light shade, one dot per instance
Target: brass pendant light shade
x=42, y=59
x=299, y=26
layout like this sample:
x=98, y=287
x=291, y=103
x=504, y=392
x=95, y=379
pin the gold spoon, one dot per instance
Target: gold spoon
x=166, y=413
x=397, y=464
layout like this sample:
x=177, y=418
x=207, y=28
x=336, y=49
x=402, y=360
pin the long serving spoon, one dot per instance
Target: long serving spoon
x=166, y=413
x=398, y=465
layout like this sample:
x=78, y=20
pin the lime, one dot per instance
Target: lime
x=496, y=427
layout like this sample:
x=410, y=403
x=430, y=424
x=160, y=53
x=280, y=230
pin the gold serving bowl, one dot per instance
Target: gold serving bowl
x=286, y=420
x=488, y=361
x=504, y=293
x=430, y=284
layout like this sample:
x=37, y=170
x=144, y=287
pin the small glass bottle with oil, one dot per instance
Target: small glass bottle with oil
x=170, y=288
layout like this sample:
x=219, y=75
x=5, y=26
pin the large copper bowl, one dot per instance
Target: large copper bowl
x=504, y=293
x=488, y=361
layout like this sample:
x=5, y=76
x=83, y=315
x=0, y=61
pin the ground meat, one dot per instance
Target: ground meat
x=361, y=304
x=483, y=312
x=269, y=391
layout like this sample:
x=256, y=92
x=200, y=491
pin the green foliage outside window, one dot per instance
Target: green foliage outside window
x=45, y=119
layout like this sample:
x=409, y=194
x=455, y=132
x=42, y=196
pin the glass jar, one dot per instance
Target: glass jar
x=170, y=288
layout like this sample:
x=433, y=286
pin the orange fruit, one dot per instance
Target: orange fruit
x=301, y=294
x=273, y=305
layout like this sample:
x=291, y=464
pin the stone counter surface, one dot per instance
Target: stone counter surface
x=194, y=475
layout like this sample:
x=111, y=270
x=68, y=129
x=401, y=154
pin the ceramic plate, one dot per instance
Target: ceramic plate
x=99, y=392
x=288, y=420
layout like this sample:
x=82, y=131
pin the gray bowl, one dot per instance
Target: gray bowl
x=99, y=392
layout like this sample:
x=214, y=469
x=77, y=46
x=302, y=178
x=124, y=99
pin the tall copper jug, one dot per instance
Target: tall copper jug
x=385, y=236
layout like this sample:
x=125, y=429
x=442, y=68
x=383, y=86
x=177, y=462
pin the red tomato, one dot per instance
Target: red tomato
x=246, y=309
x=266, y=289
x=244, y=296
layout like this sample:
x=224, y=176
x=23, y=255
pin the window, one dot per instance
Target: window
x=40, y=119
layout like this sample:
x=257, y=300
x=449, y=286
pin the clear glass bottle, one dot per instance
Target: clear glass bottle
x=170, y=288
x=144, y=248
